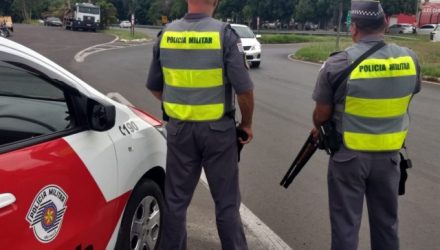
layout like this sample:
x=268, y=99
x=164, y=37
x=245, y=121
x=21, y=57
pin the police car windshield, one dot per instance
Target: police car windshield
x=17, y=82
x=244, y=32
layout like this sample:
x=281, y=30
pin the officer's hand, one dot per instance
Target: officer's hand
x=315, y=133
x=250, y=134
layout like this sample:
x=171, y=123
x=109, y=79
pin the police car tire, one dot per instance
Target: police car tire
x=145, y=188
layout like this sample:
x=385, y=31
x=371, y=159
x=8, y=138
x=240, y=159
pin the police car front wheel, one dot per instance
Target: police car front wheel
x=140, y=226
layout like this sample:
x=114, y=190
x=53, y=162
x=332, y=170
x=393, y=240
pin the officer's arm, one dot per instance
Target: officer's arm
x=323, y=93
x=157, y=94
x=155, y=80
x=321, y=114
x=238, y=76
x=246, y=103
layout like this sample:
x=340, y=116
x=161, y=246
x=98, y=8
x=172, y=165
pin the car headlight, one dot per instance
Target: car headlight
x=256, y=48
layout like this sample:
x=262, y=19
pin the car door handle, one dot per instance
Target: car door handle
x=6, y=200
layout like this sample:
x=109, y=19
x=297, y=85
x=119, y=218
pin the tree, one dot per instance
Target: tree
x=231, y=9
x=305, y=11
x=5, y=7
x=108, y=13
x=392, y=7
x=178, y=9
x=23, y=8
x=157, y=9
x=248, y=14
x=121, y=9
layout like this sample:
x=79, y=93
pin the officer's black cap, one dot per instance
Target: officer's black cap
x=366, y=9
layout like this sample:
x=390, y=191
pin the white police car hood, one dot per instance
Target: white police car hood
x=246, y=42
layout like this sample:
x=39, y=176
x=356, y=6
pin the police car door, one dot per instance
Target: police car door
x=57, y=177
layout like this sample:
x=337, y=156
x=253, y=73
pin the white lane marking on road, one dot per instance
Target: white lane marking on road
x=80, y=56
x=263, y=233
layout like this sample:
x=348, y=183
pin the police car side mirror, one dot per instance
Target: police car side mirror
x=100, y=116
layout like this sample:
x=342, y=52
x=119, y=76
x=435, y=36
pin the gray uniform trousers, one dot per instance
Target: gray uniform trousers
x=212, y=145
x=353, y=175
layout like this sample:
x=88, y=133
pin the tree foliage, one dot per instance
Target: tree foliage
x=243, y=11
x=108, y=13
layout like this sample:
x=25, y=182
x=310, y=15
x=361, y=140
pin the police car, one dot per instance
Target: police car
x=78, y=170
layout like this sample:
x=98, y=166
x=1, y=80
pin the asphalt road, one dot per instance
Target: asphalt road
x=283, y=90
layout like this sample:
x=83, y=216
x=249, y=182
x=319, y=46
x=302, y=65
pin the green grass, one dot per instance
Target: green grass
x=125, y=34
x=293, y=38
x=32, y=21
x=428, y=52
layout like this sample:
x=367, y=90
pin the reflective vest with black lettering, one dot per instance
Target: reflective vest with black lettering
x=375, y=113
x=191, y=56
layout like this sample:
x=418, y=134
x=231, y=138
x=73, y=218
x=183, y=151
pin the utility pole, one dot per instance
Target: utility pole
x=417, y=11
x=67, y=8
x=338, y=36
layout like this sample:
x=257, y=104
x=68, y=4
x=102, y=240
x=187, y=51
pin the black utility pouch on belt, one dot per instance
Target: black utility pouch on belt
x=328, y=138
x=244, y=136
x=405, y=163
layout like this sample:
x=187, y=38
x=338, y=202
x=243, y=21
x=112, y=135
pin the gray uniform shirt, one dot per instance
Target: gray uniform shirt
x=333, y=68
x=236, y=69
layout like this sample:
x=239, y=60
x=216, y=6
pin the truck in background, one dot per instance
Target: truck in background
x=7, y=21
x=85, y=16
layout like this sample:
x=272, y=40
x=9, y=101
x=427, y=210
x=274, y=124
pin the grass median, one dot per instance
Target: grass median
x=321, y=47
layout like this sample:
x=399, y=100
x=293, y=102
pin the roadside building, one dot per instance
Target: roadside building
x=430, y=13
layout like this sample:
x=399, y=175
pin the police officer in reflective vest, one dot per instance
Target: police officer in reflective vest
x=370, y=112
x=198, y=66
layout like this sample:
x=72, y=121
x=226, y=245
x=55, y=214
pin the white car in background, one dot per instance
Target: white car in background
x=401, y=28
x=426, y=29
x=78, y=170
x=125, y=24
x=435, y=34
x=251, y=46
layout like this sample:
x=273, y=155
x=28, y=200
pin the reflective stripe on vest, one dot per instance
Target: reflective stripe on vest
x=379, y=90
x=192, y=64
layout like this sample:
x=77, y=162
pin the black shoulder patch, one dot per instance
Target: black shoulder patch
x=335, y=53
x=159, y=33
x=232, y=30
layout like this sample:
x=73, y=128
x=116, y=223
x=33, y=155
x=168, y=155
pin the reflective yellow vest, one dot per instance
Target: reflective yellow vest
x=375, y=114
x=191, y=56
